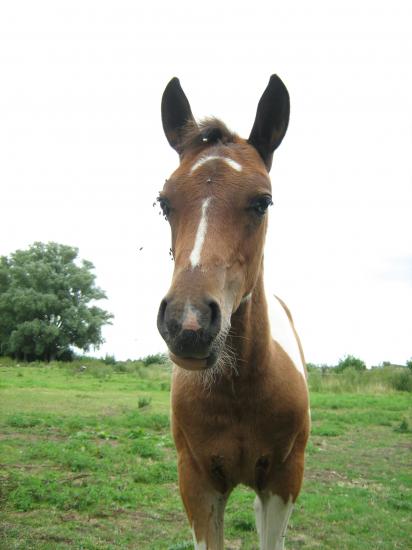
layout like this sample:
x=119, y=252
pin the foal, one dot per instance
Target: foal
x=239, y=394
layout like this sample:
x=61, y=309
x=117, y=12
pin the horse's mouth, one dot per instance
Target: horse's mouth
x=193, y=363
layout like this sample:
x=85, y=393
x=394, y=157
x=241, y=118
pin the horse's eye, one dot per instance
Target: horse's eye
x=261, y=204
x=164, y=205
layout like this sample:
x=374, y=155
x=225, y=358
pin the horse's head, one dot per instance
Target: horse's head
x=216, y=203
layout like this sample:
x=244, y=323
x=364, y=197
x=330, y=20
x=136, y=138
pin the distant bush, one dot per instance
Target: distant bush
x=409, y=364
x=402, y=381
x=322, y=367
x=377, y=380
x=311, y=367
x=120, y=366
x=109, y=359
x=156, y=359
x=349, y=361
x=130, y=367
x=100, y=371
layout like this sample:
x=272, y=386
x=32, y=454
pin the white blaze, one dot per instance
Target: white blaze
x=200, y=235
x=230, y=162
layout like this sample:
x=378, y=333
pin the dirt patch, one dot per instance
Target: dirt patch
x=31, y=467
x=325, y=476
x=303, y=540
x=233, y=544
x=54, y=538
x=110, y=442
x=31, y=437
x=333, y=477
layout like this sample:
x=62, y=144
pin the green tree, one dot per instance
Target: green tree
x=47, y=303
x=349, y=361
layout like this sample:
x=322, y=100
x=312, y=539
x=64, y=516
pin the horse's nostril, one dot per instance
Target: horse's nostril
x=215, y=316
x=162, y=311
x=173, y=327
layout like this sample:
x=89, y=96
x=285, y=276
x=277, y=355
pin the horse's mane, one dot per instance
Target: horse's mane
x=208, y=131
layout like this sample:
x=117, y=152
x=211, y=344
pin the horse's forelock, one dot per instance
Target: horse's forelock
x=209, y=131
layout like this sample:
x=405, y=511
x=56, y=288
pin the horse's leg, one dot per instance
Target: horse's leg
x=272, y=516
x=274, y=505
x=205, y=506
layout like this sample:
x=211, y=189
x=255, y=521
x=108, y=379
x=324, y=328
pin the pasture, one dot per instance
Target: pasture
x=87, y=462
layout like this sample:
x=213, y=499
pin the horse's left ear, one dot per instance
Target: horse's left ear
x=176, y=113
x=272, y=118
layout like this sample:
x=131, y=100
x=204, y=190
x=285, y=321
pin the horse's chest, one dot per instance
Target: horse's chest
x=238, y=443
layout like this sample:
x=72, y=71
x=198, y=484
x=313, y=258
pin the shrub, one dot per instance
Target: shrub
x=311, y=367
x=315, y=380
x=144, y=402
x=402, y=381
x=100, y=371
x=403, y=427
x=349, y=361
x=120, y=367
x=109, y=359
x=156, y=359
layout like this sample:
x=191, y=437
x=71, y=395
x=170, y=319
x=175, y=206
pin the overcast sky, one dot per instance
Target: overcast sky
x=83, y=155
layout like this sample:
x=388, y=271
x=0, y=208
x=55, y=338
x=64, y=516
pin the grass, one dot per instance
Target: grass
x=87, y=462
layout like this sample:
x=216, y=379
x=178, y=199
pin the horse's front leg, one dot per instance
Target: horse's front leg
x=272, y=517
x=274, y=504
x=205, y=506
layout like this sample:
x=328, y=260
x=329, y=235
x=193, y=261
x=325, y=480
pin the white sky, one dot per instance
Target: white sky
x=83, y=155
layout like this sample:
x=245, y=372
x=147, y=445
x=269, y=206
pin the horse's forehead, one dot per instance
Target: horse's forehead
x=237, y=156
x=231, y=164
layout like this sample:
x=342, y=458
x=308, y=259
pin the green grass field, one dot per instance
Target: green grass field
x=87, y=462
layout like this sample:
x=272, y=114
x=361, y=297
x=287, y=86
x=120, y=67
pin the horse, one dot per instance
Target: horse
x=239, y=397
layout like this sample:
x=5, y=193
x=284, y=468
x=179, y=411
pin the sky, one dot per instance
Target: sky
x=83, y=154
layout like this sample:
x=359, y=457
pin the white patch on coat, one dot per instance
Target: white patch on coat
x=282, y=332
x=230, y=162
x=272, y=516
x=246, y=298
x=200, y=235
x=201, y=545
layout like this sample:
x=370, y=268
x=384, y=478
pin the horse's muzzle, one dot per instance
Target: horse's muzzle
x=189, y=330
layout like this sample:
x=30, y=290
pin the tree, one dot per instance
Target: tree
x=349, y=361
x=47, y=303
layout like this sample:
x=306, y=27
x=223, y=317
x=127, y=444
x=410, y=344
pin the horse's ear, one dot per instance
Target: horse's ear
x=176, y=113
x=272, y=118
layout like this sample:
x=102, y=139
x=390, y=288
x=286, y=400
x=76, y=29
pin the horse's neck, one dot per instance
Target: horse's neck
x=250, y=337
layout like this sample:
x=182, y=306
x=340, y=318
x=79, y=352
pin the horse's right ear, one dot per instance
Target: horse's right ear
x=176, y=113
